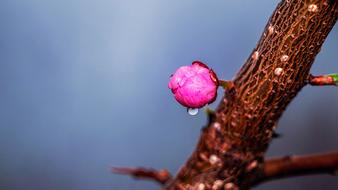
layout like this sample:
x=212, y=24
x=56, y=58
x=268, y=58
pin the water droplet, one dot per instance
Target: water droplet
x=192, y=111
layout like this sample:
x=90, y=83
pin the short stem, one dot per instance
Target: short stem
x=321, y=80
x=226, y=84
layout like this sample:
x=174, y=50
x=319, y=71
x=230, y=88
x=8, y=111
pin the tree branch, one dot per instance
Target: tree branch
x=329, y=80
x=160, y=176
x=289, y=166
x=232, y=146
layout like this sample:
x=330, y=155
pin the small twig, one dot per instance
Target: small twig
x=330, y=79
x=160, y=176
x=289, y=166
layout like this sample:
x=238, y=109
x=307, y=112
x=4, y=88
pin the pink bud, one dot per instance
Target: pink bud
x=194, y=86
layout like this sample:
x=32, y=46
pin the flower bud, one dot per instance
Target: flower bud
x=194, y=86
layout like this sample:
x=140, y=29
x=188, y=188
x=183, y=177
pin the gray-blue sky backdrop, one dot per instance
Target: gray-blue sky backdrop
x=83, y=86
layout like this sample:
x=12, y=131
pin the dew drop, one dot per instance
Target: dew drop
x=192, y=111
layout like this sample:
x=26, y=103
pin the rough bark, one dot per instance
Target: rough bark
x=231, y=148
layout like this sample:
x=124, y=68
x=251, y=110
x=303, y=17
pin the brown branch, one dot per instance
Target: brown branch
x=232, y=145
x=160, y=176
x=328, y=80
x=289, y=166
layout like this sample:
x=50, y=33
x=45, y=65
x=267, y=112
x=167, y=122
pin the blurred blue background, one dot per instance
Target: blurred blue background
x=83, y=86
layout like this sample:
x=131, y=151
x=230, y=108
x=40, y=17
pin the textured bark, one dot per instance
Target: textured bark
x=231, y=149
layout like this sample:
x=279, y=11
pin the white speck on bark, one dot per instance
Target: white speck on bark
x=217, y=126
x=213, y=159
x=255, y=55
x=253, y=164
x=312, y=8
x=217, y=185
x=229, y=186
x=278, y=71
x=271, y=29
x=201, y=186
x=284, y=58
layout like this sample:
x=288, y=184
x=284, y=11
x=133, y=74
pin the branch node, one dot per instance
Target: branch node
x=226, y=84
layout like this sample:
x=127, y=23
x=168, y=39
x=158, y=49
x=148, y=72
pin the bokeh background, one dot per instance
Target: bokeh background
x=83, y=86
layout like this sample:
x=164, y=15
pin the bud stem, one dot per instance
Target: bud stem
x=226, y=84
